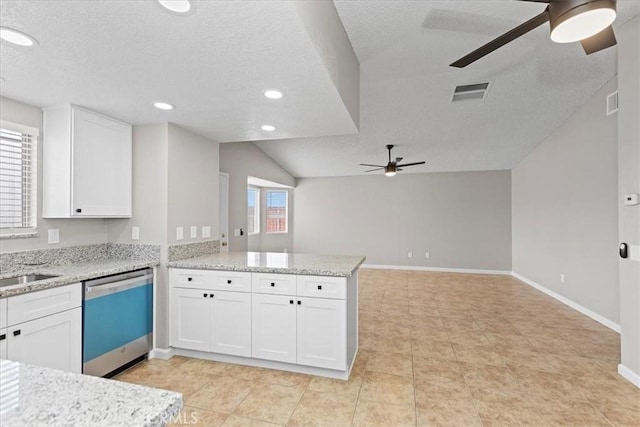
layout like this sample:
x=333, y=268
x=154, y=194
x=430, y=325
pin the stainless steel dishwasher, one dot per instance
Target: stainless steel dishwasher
x=117, y=321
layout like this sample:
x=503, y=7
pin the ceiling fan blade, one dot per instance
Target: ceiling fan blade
x=507, y=37
x=398, y=159
x=375, y=166
x=410, y=164
x=373, y=170
x=604, y=39
x=538, y=1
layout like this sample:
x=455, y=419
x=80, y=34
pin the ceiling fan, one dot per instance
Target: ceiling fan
x=587, y=21
x=392, y=167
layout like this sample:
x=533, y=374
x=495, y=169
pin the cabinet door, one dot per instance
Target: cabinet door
x=231, y=323
x=3, y=343
x=321, y=337
x=274, y=327
x=190, y=319
x=54, y=341
x=101, y=172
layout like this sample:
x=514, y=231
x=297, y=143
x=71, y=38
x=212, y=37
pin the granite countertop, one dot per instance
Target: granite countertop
x=70, y=273
x=33, y=395
x=272, y=262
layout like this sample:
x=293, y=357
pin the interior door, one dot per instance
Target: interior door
x=224, y=212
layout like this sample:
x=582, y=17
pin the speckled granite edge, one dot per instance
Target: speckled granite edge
x=52, y=397
x=132, y=251
x=192, y=250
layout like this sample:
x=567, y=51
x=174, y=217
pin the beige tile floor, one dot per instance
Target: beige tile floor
x=435, y=349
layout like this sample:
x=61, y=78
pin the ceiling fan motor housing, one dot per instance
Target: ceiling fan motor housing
x=563, y=10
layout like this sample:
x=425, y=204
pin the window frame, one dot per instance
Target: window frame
x=257, y=212
x=32, y=229
x=286, y=211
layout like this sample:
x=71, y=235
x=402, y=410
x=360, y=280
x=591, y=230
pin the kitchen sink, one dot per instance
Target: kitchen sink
x=25, y=278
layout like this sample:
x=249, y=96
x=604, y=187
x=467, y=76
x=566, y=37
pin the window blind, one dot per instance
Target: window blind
x=17, y=187
x=276, y=211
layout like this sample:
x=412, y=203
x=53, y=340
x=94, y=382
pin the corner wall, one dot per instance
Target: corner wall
x=565, y=216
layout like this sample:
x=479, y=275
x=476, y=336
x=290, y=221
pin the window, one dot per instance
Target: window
x=253, y=212
x=17, y=180
x=276, y=211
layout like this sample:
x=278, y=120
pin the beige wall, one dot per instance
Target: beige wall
x=72, y=231
x=241, y=160
x=565, y=211
x=462, y=219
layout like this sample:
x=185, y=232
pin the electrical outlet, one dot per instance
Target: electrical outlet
x=410, y=254
x=54, y=236
x=427, y=255
x=193, y=232
x=206, y=231
x=135, y=233
x=562, y=278
x=179, y=233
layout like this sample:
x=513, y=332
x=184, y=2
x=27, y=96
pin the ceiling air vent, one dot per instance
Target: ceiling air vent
x=612, y=103
x=468, y=92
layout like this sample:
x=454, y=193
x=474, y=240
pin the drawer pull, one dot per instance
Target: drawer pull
x=210, y=295
x=299, y=302
x=189, y=279
x=4, y=336
x=205, y=295
x=272, y=284
x=290, y=301
x=319, y=287
x=228, y=281
x=16, y=333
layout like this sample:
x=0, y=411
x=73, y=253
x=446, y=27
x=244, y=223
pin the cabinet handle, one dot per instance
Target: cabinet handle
x=4, y=336
x=229, y=282
x=16, y=333
x=290, y=301
x=272, y=284
x=205, y=295
x=319, y=287
x=78, y=210
x=210, y=295
x=299, y=302
x=189, y=279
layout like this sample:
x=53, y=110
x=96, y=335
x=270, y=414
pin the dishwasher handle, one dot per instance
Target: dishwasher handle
x=94, y=291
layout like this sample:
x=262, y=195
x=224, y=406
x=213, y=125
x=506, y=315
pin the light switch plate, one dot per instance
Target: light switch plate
x=135, y=233
x=206, y=231
x=193, y=232
x=54, y=236
x=179, y=233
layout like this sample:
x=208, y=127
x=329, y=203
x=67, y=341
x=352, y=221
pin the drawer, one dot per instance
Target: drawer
x=3, y=313
x=322, y=287
x=239, y=281
x=279, y=284
x=187, y=278
x=35, y=305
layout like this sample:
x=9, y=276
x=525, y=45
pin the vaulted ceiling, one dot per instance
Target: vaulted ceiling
x=118, y=57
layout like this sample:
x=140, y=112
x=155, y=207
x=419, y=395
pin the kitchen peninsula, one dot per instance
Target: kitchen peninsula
x=294, y=312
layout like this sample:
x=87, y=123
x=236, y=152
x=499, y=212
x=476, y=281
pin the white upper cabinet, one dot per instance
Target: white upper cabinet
x=87, y=165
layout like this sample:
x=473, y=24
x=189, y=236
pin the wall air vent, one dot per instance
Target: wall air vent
x=612, y=103
x=469, y=92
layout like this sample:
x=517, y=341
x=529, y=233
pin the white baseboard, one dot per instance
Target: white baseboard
x=595, y=316
x=440, y=269
x=161, y=353
x=629, y=375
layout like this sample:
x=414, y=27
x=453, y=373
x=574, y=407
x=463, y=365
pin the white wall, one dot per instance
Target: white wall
x=462, y=219
x=565, y=216
x=241, y=160
x=77, y=231
x=629, y=182
x=193, y=184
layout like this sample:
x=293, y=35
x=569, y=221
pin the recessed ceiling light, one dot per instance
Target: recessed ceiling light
x=163, y=106
x=176, y=6
x=16, y=37
x=273, y=94
x=268, y=128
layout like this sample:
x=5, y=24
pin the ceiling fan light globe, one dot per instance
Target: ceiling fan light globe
x=579, y=24
x=390, y=173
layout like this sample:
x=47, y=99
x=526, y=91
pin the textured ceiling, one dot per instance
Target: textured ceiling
x=404, y=48
x=118, y=57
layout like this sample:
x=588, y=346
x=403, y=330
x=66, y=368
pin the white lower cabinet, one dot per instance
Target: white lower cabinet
x=3, y=343
x=274, y=327
x=206, y=320
x=54, y=341
x=321, y=337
